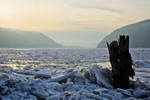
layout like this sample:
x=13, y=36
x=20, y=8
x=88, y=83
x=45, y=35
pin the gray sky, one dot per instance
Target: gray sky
x=72, y=22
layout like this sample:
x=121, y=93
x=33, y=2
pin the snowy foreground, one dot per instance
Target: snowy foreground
x=68, y=74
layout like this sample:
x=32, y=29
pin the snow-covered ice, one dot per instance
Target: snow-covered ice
x=43, y=74
x=68, y=74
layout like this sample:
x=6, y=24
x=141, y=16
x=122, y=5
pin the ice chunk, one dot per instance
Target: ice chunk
x=144, y=64
x=43, y=73
x=141, y=93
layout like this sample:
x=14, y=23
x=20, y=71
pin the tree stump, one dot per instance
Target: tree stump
x=121, y=62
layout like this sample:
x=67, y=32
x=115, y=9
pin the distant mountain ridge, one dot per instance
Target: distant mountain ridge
x=11, y=38
x=139, y=35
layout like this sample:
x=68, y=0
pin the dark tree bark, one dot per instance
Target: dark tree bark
x=121, y=62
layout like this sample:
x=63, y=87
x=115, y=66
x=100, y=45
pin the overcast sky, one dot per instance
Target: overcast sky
x=72, y=22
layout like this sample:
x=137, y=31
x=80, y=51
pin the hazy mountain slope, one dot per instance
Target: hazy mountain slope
x=10, y=38
x=139, y=35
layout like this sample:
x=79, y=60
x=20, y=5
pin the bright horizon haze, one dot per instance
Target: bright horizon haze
x=72, y=22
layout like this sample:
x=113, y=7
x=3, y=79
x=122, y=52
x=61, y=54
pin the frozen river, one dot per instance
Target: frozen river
x=53, y=59
x=61, y=56
x=66, y=58
x=20, y=70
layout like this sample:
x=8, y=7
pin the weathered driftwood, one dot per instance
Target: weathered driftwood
x=63, y=78
x=121, y=62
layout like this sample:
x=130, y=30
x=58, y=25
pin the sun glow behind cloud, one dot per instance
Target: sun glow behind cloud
x=101, y=16
x=65, y=15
